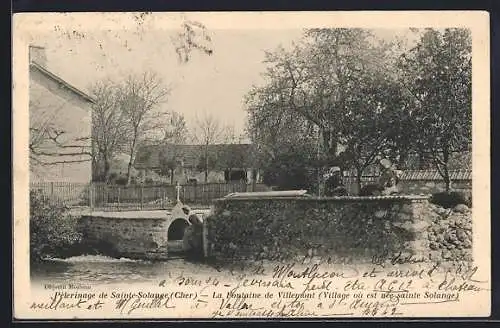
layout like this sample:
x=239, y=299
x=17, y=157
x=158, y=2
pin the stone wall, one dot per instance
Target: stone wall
x=420, y=187
x=358, y=228
x=126, y=236
x=450, y=233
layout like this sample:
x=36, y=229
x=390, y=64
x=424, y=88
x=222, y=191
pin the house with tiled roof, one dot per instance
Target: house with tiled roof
x=60, y=117
x=186, y=163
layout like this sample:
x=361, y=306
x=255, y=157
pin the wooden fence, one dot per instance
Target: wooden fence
x=63, y=193
x=114, y=197
x=136, y=197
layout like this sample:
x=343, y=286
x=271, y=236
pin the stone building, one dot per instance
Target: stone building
x=60, y=125
x=186, y=163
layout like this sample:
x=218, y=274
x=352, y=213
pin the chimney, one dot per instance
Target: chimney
x=37, y=55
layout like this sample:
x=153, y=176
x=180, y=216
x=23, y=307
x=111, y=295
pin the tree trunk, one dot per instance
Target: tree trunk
x=330, y=145
x=446, y=172
x=403, y=158
x=254, y=179
x=129, y=170
x=172, y=176
x=206, y=163
x=447, y=180
x=107, y=168
x=359, y=174
x=131, y=160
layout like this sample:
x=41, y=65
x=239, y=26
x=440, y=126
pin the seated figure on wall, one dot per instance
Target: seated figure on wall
x=387, y=183
x=389, y=178
x=333, y=184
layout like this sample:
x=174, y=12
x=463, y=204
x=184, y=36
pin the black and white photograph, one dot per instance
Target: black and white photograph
x=251, y=165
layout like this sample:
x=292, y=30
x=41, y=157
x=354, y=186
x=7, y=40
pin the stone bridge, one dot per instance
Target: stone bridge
x=154, y=235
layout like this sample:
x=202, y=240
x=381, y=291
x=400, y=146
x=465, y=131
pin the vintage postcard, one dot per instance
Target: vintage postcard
x=251, y=165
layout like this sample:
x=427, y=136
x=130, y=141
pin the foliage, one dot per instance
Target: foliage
x=53, y=233
x=371, y=190
x=289, y=169
x=207, y=165
x=449, y=199
x=120, y=179
x=438, y=72
x=330, y=89
x=168, y=165
x=359, y=98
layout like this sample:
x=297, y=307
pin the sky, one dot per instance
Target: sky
x=215, y=84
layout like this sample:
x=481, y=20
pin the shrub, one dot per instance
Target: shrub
x=84, y=197
x=451, y=199
x=371, y=190
x=113, y=176
x=53, y=233
x=121, y=180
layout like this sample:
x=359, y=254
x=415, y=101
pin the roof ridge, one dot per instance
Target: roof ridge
x=58, y=79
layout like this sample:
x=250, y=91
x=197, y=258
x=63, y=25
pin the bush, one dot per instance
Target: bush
x=451, y=199
x=53, y=233
x=113, y=176
x=292, y=168
x=371, y=190
x=121, y=180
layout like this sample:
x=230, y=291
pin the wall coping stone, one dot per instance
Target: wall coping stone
x=412, y=198
x=136, y=215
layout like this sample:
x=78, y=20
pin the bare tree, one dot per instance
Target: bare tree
x=110, y=129
x=139, y=98
x=230, y=136
x=50, y=144
x=176, y=131
x=208, y=131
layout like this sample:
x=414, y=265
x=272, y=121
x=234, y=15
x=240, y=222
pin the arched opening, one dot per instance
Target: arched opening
x=176, y=229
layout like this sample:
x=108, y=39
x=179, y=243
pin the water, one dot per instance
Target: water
x=103, y=269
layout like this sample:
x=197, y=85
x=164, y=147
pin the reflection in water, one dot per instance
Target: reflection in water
x=102, y=269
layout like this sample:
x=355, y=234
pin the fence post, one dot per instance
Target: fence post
x=52, y=189
x=91, y=197
x=162, y=198
x=195, y=194
x=254, y=180
x=142, y=197
x=118, y=196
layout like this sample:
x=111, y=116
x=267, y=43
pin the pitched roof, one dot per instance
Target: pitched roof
x=431, y=175
x=61, y=82
x=226, y=155
x=434, y=175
